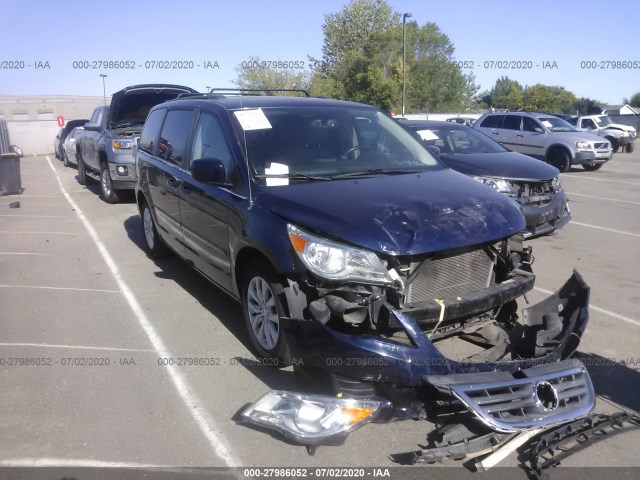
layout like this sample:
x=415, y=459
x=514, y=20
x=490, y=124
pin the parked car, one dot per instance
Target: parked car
x=468, y=121
x=69, y=148
x=546, y=137
x=104, y=146
x=364, y=262
x=620, y=136
x=58, y=143
x=534, y=184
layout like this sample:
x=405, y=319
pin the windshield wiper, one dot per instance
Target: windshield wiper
x=293, y=176
x=372, y=171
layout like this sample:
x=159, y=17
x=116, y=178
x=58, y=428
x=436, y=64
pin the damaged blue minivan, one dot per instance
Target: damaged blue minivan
x=393, y=284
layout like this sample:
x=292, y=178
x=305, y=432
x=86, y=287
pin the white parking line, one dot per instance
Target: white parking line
x=71, y=462
x=598, y=309
x=613, y=230
x=583, y=177
x=37, y=216
x=36, y=233
x=603, y=198
x=97, y=290
x=194, y=405
x=75, y=347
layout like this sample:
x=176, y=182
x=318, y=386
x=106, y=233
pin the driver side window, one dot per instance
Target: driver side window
x=209, y=142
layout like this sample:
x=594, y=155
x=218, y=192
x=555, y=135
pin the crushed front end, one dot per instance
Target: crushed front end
x=449, y=336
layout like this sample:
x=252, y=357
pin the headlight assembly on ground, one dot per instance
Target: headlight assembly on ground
x=310, y=419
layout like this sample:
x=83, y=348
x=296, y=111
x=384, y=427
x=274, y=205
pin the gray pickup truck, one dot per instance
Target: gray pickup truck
x=104, y=148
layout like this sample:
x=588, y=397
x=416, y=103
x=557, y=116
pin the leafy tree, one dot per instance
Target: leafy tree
x=434, y=81
x=548, y=99
x=362, y=61
x=268, y=78
x=350, y=30
x=634, y=101
x=506, y=93
x=587, y=106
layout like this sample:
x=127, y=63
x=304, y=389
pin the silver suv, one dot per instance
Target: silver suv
x=546, y=137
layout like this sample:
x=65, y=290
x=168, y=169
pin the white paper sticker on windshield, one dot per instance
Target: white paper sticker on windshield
x=547, y=124
x=427, y=135
x=277, y=169
x=254, y=119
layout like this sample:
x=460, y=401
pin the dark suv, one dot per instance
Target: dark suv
x=361, y=259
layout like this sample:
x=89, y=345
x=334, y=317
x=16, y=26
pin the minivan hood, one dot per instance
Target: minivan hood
x=132, y=104
x=511, y=165
x=403, y=214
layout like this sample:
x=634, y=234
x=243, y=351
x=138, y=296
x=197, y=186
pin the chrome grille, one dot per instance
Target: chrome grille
x=602, y=145
x=448, y=277
x=514, y=404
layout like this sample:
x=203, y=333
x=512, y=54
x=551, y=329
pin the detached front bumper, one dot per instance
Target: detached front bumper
x=536, y=388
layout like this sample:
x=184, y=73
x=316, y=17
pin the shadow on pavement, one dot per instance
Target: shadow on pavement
x=218, y=303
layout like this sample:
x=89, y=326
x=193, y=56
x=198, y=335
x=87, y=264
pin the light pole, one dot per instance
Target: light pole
x=104, y=90
x=404, y=59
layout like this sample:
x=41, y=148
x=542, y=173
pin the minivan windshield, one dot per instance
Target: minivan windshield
x=326, y=143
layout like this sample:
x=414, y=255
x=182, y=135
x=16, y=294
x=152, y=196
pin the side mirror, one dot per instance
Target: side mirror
x=210, y=170
x=538, y=130
x=17, y=150
x=92, y=127
x=435, y=151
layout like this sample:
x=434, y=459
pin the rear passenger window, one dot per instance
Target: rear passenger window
x=149, y=136
x=494, y=121
x=512, y=122
x=175, y=135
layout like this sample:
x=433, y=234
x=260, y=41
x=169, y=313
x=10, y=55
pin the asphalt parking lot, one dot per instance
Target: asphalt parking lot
x=94, y=320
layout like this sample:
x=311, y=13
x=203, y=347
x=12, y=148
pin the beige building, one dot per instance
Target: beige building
x=33, y=120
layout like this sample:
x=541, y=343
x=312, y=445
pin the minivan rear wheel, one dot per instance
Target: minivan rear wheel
x=262, y=308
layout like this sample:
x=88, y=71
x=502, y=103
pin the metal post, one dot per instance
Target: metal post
x=104, y=90
x=404, y=59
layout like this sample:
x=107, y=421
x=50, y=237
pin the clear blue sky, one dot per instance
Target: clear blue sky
x=229, y=32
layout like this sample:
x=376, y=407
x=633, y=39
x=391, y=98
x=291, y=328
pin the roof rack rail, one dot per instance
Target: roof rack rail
x=223, y=92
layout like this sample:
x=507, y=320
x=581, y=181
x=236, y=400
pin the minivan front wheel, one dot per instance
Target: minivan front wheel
x=262, y=309
x=154, y=246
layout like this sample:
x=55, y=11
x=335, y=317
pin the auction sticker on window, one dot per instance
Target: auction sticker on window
x=427, y=135
x=253, y=119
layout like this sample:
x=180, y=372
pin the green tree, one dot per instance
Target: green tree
x=634, y=101
x=351, y=30
x=587, y=106
x=434, y=81
x=506, y=93
x=362, y=61
x=269, y=78
x=545, y=98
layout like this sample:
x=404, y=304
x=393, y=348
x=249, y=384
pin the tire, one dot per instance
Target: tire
x=262, y=309
x=154, y=246
x=592, y=168
x=82, y=173
x=614, y=144
x=65, y=159
x=560, y=159
x=630, y=146
x=107, y=192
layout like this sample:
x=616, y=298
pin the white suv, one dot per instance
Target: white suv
x=546, y=137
